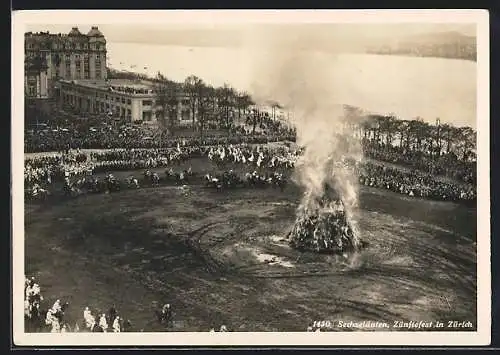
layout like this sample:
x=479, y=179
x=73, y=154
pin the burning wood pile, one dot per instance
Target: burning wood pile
x=323, y=226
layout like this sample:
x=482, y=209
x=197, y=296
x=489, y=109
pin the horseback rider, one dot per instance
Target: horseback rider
x=155, y=178
x=132, y=181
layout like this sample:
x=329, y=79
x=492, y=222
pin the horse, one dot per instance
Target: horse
x=170, y=174
x=181, y=178
x=155, y=179
x=100, y=186
x=132, y=182
x=277, y=180
x=213, y=182
x=255, y=180
x=113, y=185
x=37, y=193
x=231, y=180
x=151, y=178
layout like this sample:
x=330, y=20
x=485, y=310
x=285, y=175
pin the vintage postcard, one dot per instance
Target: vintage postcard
x=250, y=178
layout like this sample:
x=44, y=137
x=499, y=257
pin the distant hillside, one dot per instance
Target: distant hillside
x=442, y=44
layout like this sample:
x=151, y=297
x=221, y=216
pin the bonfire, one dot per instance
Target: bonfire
x=323, y=225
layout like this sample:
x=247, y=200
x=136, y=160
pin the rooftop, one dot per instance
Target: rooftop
x=75, y=32
x=120, y=85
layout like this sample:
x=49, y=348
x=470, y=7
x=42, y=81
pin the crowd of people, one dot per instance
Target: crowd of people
x=112, y=136
x=414, y=184
x=41, y=172
x=445, y=165
x=54, y=318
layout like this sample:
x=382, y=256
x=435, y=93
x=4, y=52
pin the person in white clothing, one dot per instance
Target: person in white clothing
x=48, y=317
x=56, y=328
x=36, y=293
x=28, y=292
x=103, y=323
x=36, y=289
x=87, y=316
x=57, y=306
x=116, y=325
x=91, y=323
x=27, y=308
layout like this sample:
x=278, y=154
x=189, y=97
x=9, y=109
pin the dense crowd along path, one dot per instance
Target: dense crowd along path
x=75, y=169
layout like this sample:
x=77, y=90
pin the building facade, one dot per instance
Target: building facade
x=127, y=100
x=73, y=56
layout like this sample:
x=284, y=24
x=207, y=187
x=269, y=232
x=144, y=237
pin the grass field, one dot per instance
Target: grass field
x=208, y=254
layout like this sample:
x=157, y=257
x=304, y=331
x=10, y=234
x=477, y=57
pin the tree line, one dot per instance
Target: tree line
x=206, y=103
x=438, y=141
x=209, y=104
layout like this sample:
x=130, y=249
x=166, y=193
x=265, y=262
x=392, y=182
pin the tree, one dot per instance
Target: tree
x=402, y=127
x=417, y=130
x=256, y=116
x=274, y=106
x=450, y=135
x=226, y=102
x=205, y=99
x=466, y=143
x=167, y=96
x=387, y=126
x=439, y=138
x=193, y=87
x=243, y=102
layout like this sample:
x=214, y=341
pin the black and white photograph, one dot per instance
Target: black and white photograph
x=262, y=174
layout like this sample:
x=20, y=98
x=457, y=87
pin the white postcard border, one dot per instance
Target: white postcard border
x=480, y=337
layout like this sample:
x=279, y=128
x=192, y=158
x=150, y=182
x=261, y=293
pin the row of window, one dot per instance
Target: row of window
x=121, y=111
x=78, y=73
x=77, y=46
x=85, y=57
x=67, y=57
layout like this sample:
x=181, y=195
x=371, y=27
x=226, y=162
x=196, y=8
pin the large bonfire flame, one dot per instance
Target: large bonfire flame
x=306, y=83
x=324, y=225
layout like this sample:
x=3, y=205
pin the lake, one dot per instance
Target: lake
x=406, y=86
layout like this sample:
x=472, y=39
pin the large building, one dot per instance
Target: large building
x=73, y=56
x=128, y=100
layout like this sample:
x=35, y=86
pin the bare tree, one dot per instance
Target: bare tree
x=205, y=100
x=244, y=101
x=193, y=86
x=167, y=95
x=226, y=101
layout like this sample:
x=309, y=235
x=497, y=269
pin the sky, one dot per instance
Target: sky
x=409, y=87
x=353, y=36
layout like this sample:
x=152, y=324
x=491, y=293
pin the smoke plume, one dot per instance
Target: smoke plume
x=304, y=81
